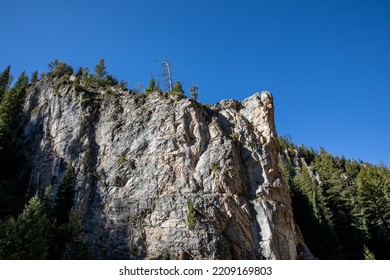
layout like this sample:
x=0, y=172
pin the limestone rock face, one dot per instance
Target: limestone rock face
x=140, y=161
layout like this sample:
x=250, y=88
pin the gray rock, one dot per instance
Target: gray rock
x=140, y=161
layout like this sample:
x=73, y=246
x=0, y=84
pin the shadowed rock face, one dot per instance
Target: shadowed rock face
x=140, y=161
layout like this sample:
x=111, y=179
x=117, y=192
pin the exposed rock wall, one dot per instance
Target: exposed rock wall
x=141, y=160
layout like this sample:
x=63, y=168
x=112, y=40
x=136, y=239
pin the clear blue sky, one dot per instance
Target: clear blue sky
x=326, y=62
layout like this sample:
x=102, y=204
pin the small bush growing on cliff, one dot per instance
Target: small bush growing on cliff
x=214, y=166
x=234, y=135
x=85, y=101
x=191, y=215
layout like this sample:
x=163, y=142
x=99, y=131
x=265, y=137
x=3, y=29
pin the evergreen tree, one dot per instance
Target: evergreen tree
x=26, y=238
x=5, y=77
x=178, y=89
x=34, y=78
x=59, y=69
x=368, y=255
x=76, y=245
x=11, y=185
x=110, y=80
x=21, y=83
x=100, y=70
x=151, y=87
x=326, y=203
x=63, y=203
x=11, y=111
x=82, y=72
x=64, y=198
x=10, y=115
x=123, y=85
x=373, y=186
x=194, y=91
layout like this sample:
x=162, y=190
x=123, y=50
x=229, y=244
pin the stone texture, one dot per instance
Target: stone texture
x=140, y=159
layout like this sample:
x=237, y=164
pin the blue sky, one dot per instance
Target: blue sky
x=327, y=62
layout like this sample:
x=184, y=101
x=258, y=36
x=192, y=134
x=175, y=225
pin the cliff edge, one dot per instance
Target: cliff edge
x=162, y=176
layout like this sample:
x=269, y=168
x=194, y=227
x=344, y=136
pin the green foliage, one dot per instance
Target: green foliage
x=86, y=101
x=47, y=200
x=10, y=116
x=194, y=91
x=21, y=83
x=64, y=198
x=76, y=246
x=34, y=236
x=83, y=72
x=234, y=135
x=59, y=68
x=5, y=78
x=214, y=166
x=368, y=255
x=68, y=240
x=121, y=160
x=34, y=78
x=178, y=89
x=191, y=215
x=110, y=80
x=134, y=250
x=373, y=190
x=151, y=87
x=11, y=185
x=373, y=187
x=101, y=80
x=100, y=70
x=123, y=85
x=339, y=205
x=26, y=237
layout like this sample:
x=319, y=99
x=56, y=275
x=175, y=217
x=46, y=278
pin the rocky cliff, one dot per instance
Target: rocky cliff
x=162, y=176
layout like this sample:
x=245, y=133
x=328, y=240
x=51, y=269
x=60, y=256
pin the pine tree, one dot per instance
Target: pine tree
x=83, y=72
x=194, y=91
x=373, y=186
x=34, y=78
x=76, y=246
x=151, y=87
x=26, y=238
x=64, y=198
x=21, y=83
x=4, y=81
x=178, y=89
x=368, y=255
x=59, y=68
x=11, y=187
x=100, y=70
x=11, y=110
x=10, y=115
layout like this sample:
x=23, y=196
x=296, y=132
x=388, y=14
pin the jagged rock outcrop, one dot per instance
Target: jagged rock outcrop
x=145, y=164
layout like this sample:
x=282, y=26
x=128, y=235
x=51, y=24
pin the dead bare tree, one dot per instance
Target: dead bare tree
x=167, y=73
